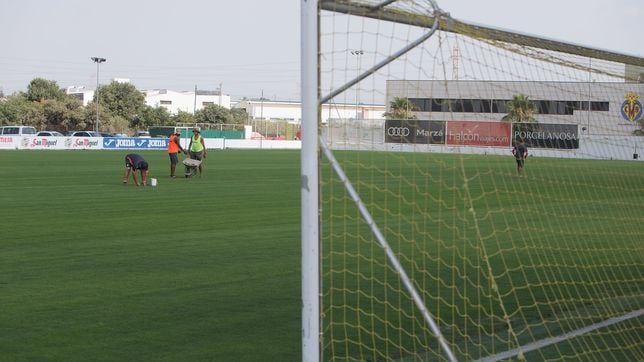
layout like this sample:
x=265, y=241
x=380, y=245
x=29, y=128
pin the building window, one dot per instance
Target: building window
x=599, y=106
x=500, y=106
x=206, y=104
x=419, y=104
x=166, y=102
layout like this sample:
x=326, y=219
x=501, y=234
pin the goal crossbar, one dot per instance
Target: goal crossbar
x=450, y=24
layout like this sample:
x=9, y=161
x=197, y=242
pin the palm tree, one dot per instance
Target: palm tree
x=401, y=108
x=521, y=111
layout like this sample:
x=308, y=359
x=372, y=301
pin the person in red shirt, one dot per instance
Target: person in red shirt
x=174, y=146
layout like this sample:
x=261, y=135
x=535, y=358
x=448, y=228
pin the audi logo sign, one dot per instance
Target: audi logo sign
x=398, y=131
x=414, y=131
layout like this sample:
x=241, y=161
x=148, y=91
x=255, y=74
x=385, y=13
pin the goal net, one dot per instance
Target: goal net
x=423, y=236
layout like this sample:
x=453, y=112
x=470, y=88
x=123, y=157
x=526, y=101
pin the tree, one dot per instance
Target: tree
x=400, y=108
x=40, y=89
x=116, y=124
x=239, y=115
x=17, y=110
x=63, y=115
x=9, y=110
x=121, y=99
x=151, y=116
x=183, y=118
x=214, y=114
x=520, y=110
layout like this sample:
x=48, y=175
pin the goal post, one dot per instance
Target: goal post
x=309, y=184
x=422, y=237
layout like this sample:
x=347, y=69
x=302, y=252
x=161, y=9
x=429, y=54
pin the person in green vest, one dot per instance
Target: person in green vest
x=197, y=148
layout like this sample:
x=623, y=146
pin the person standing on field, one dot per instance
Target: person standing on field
x=197, y=148
x=174, y=146
x=135, y=162
x=520, y=152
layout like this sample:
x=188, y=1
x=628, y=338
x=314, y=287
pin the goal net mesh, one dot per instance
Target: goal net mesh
x=543, y=264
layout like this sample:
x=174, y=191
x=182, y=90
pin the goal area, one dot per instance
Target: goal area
x=427, y=234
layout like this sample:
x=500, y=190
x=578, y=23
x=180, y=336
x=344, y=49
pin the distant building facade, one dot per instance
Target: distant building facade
x=598, y=108
x=292, y=110
x=80, y=93
x=185, y=101
x=173, y=101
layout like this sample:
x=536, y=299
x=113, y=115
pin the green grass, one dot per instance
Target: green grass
x=563, y=246
x=195, y=269
x=209, y=268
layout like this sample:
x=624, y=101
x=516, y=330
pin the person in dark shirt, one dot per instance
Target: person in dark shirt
x=520, y=152
x=134, y=162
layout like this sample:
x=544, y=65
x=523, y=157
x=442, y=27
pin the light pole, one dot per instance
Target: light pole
x=98, y=61
x=357, y=53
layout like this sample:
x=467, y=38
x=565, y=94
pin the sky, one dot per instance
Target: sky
x=249, y=48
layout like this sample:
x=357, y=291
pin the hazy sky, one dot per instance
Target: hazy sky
x=247, y=46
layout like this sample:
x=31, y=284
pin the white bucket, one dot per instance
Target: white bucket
x=153, y=182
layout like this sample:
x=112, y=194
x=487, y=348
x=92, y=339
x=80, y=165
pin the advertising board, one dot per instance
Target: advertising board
x=415, y=131
x=42, y=143
x=475, y=133
x=8, y=143
x=543, y=135
x=111, y=143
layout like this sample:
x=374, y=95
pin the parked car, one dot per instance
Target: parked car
x=50, y=134
x=85, y=134
x=17, y=130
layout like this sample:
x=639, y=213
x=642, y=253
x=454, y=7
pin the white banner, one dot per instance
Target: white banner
x=42, y=143
x=9, y=142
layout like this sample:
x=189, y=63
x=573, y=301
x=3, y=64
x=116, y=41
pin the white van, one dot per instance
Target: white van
x=17, y=131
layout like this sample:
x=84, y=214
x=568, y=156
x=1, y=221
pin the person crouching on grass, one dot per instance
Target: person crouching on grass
x=135, y=162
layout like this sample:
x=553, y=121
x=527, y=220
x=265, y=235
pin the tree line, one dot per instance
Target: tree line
x=122, y=109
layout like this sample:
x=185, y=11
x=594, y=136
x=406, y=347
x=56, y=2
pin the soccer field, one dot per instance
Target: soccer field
x=209, y=268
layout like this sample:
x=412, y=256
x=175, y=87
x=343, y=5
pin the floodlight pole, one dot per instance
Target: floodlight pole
x=98, y=61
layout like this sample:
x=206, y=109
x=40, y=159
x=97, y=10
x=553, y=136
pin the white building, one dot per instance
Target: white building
x=292, y=110
x=173, y=101
x=185, y=101
x=87, y=95
x=82, y=94
x=598, y=108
